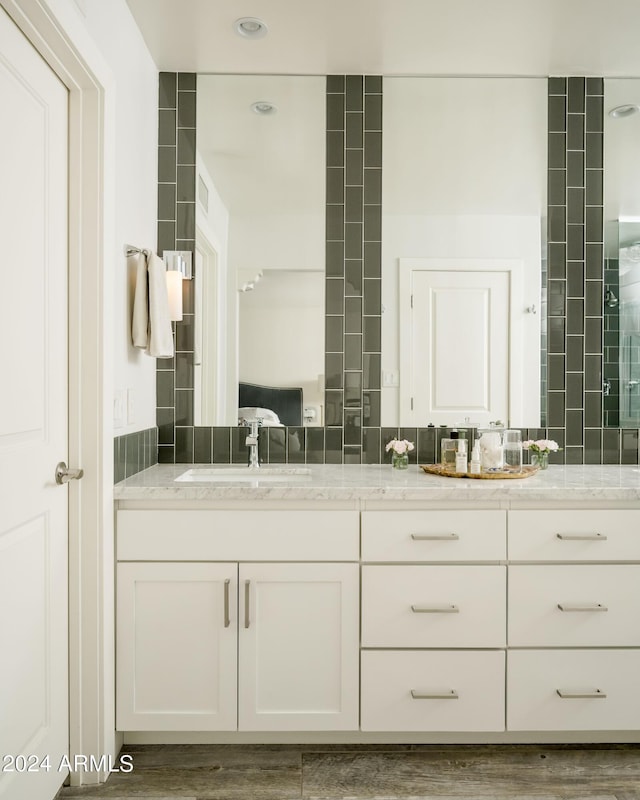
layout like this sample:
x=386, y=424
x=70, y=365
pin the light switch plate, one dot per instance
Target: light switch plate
x=390, y=378
x=118, y=408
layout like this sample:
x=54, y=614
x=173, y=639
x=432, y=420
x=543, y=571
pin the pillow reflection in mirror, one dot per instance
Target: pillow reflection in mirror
x=251, y=413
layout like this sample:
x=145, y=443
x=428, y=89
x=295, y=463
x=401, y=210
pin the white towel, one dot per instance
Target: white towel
x=140, y=321
x=151, y=324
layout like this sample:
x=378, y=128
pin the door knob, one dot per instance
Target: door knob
x=64, y=474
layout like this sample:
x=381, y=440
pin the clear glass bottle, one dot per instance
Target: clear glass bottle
x=512, y=449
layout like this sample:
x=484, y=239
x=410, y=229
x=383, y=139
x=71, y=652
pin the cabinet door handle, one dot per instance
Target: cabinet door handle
x=582, y=607
x=247, y=589
x=227, y=618
x=449, y=694
x=434, y=537
x=444, y=609
x=581, y=537
x=570, y=694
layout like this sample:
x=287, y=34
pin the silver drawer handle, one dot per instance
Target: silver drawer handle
x=582, y=537
x=247, y=589
x=570, y=694
x=434, y=537
x=445, y=609
x=227, y=618
x=582, y=607
x=450, y=694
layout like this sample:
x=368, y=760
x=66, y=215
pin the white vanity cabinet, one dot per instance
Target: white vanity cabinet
x=434, y=620
x=403, y=609
x=573, y=636
x=243, y=645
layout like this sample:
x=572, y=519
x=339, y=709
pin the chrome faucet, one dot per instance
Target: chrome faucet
x=252, y=441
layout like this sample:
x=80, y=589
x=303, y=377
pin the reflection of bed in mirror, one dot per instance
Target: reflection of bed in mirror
x=286, y=403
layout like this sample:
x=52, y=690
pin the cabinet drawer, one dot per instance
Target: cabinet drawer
x=433, y=535
x=425, y=606
x=432, y=691
x=209, y=535
x=574, y=606
x=608, y=679
x=574, y=535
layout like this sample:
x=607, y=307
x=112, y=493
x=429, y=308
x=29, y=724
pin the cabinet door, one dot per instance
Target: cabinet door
x=176, y=646
x=298, y=649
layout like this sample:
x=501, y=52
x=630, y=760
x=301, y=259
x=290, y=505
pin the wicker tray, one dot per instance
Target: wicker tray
x=436, y=469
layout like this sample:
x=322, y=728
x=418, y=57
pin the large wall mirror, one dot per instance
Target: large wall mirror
x=260, y=243
x=621, y=362
x=464, y=207
x=464, y=197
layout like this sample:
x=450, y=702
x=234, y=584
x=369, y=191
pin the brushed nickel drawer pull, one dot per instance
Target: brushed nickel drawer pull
x=227, y=619
x=582, y=537
x=570, y=694
x=247, y=589
x=434, y=537
x=450, y=694
x=582, y=607
x=445, y=609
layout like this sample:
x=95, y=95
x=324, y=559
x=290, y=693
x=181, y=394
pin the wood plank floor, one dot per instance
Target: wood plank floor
x=381, y=772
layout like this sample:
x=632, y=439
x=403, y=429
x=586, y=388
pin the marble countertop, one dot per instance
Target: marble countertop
x=381, y=482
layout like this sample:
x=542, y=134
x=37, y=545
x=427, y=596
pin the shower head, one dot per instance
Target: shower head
x=610, y=300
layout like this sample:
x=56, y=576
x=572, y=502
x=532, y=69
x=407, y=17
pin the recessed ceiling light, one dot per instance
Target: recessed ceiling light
x=250, y=27
x=263, y=108
x=627, y=110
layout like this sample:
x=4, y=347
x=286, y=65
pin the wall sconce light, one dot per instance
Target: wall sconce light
x=174, y=291
x=179, y=260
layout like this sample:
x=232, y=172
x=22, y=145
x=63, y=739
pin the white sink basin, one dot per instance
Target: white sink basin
x=245, y=475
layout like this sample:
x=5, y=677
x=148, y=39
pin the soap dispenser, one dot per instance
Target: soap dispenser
x=476, y=459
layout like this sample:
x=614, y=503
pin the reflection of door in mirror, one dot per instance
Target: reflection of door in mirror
x=461, y=329
x=207, y=396
x=261, y=155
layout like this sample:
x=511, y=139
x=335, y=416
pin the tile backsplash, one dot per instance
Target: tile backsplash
x=574, y=287
x=134, y=452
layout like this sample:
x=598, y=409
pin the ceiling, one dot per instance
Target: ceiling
x=396, y=37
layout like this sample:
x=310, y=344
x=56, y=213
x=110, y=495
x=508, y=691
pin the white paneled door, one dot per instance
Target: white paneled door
x=34, y=728
x=461, y=329
x=460, y=352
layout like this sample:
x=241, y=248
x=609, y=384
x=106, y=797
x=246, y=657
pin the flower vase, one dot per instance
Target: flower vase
x=400, y=460
x=540, y=460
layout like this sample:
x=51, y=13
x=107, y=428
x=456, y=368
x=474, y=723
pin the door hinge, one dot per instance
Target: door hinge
x=412, y=403
x=411, y=301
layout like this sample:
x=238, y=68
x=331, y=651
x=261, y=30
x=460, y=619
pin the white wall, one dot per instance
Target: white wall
x=120, y=42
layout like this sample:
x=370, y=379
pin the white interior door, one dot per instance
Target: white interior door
x=33, y=422
x=459, y=337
